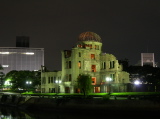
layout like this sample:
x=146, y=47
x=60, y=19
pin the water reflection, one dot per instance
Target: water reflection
x=11, y=113
x=15, y=113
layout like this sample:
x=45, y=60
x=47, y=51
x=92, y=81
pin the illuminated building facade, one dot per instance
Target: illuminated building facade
x=147, y=59
x=21, y=58
x=86, y=58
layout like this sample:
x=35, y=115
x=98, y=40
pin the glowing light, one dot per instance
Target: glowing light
x=136, y=82
x=4, y=52
x=108, y=79
x=7, y=82
x=29, y=53
x=28, y=82
x=58, y=81
x=5, y=65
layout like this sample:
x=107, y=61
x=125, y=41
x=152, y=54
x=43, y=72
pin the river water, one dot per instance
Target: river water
x=14, y=113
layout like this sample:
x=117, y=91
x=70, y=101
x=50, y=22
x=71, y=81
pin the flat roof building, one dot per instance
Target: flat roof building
x=21, y=58
x=147, y=59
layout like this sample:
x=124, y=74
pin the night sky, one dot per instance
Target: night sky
x=127, y=27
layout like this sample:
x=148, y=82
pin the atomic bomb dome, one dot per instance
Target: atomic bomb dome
x=89, y=36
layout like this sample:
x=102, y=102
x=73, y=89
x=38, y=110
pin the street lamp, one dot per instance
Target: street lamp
x=108, y=79
x=28, y=83
x=136, y=82
x=58, y=82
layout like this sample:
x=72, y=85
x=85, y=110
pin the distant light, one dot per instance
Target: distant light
x=28, y=82
x=29, y=53
x=4, y=52
x=137, y=82
x=5, y=65
x=7, y=82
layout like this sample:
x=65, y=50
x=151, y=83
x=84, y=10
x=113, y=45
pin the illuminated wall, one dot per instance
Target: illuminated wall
x=147, y=59
x=51, y=82
x=21, y=58
x=87, y=58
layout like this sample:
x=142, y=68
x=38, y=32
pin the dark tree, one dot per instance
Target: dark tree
x=146, y=74
x=19, y=78
x=85, y=83
x=124, y=63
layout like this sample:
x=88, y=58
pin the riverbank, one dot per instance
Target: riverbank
x=78, y=105
x=94, y=107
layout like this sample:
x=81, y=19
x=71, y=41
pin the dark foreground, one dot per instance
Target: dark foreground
x=92, y=107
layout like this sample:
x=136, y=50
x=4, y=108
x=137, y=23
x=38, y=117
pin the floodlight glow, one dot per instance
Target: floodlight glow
x=58, y=81
x=28, y=82
x=7, y=82
x=108, y=79
x=137, y=82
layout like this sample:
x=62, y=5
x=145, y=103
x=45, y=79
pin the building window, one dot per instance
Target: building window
x=67, y=53
x=80, y=46
x=79, y=64
x=53, y=90
x=67, y=90
x=70, y=77
x=43, y=80
x=70, y=65
x=49, y=80
x=43, y=90
x=92, y=56
x=93, y=68
x=112, y=76
x=54, y=80
x=97, y=89
x=79, y=54
x=112, y=63
x=103, y=65
x=96, y=47
x=93, y=80
x=90, y=46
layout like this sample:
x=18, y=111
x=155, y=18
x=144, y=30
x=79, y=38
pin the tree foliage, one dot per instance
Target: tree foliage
x=19, y=78
x=85, y=83
x=146, y=74
x=1, y=68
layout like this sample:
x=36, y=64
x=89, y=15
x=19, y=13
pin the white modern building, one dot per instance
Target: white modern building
x=21, y=58
x=147, y=59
